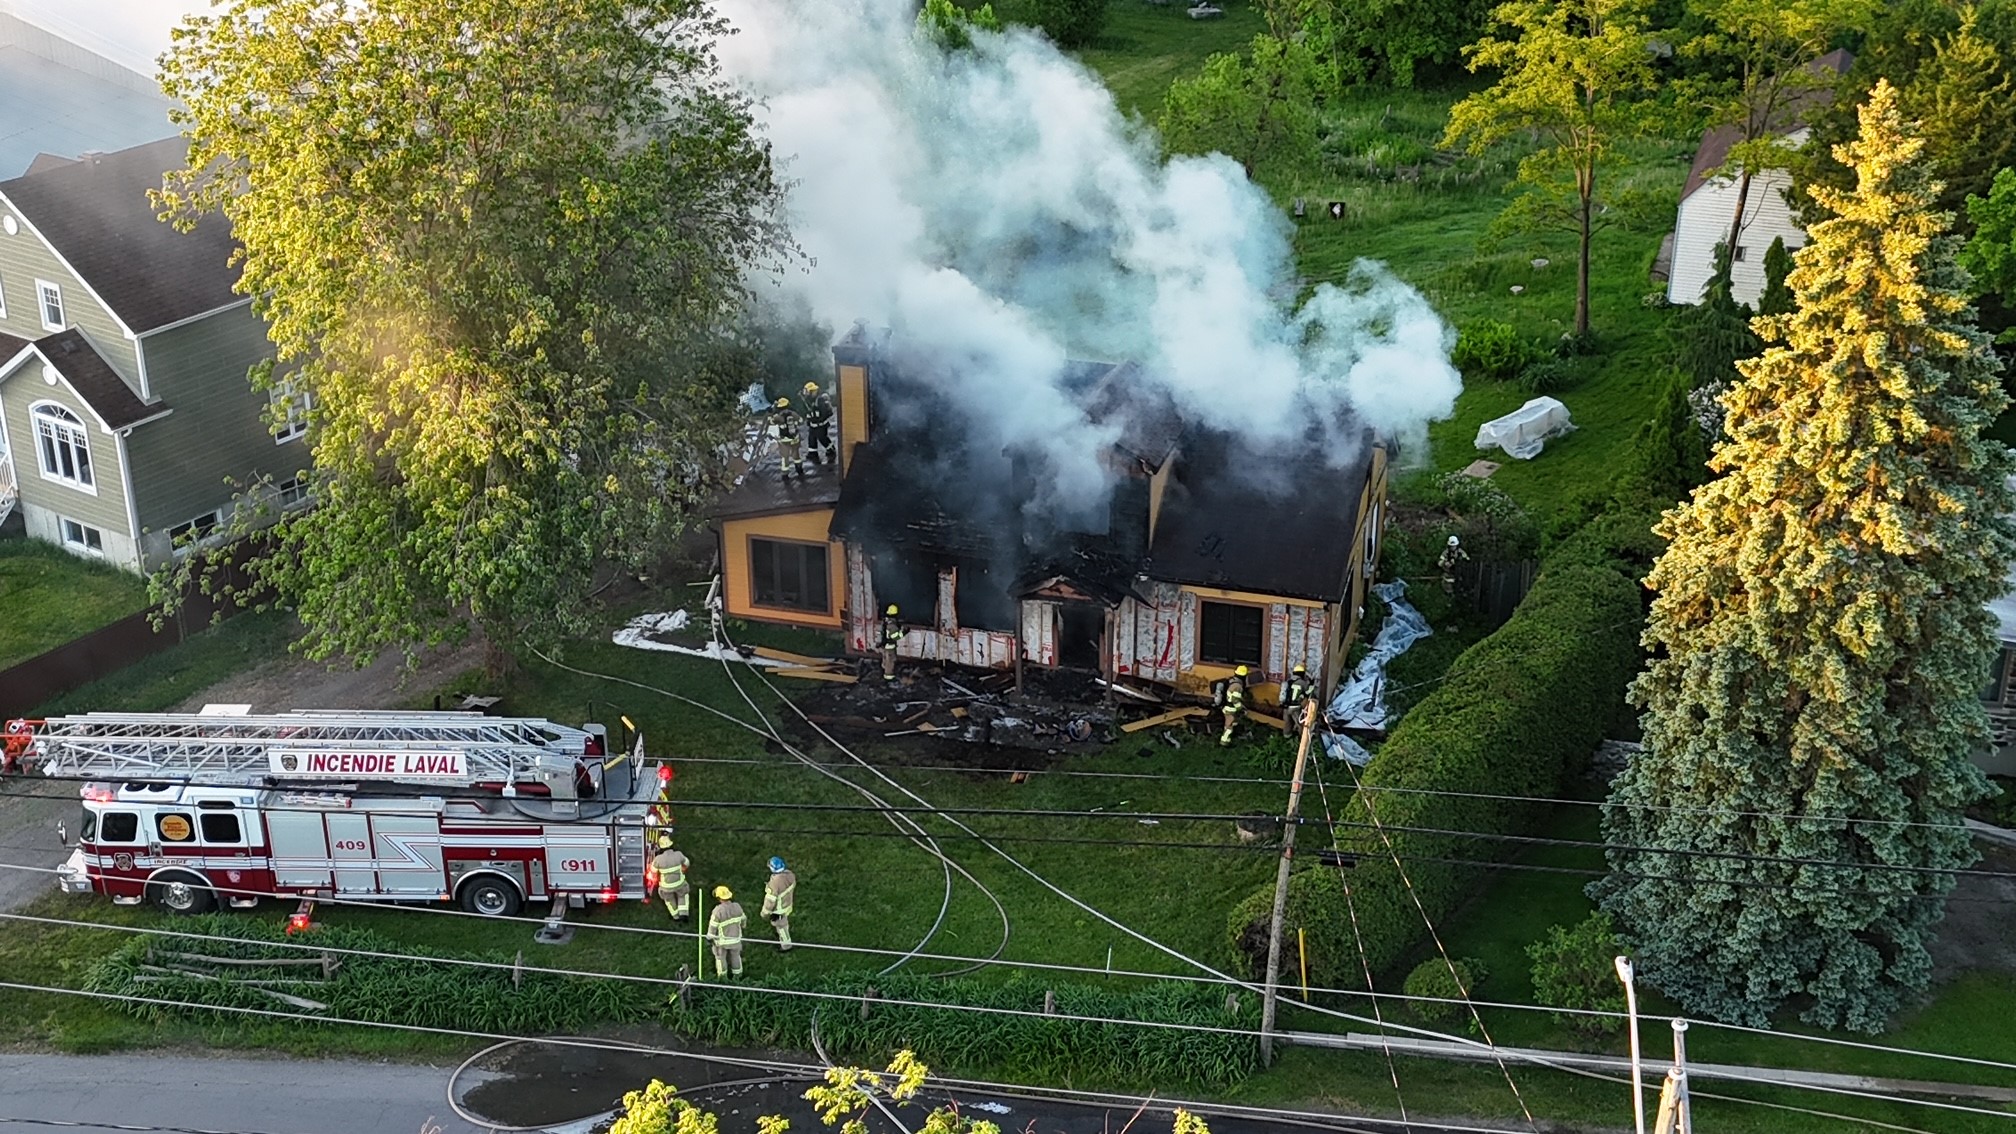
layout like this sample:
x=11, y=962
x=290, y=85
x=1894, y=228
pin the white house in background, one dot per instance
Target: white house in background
x=1708, y=205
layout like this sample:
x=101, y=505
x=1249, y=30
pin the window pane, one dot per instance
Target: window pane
x=220, y=827
x=790, y=576
x=1228, y=634
x=763, y=571
x=120, y=827
x=816, y=582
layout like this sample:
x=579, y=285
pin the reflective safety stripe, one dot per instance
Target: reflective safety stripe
x=779, y=901
x=727, y=931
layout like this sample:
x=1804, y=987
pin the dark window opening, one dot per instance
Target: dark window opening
x=790, y=576
x=908, y=583
x=119, y=827
x=1081, y=635
x=1229, y=634
x=980, y=600
x=220, y=827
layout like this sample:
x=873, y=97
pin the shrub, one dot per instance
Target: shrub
x=1071, y=23
x=1432, y=978
x=1575, y=967
x=1548, y=376
x=1491, y=351
x=1517, y=713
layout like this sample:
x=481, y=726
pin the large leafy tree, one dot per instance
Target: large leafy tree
x=1760, y=76
x=1819, y=633
x=501, y=248
x=1378, y=41
x=1574, y=75
x=1251, y=108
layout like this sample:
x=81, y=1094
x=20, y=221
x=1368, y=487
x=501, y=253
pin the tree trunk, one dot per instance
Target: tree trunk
x=499, y=662
x=1736, y=222
x=1588, y=190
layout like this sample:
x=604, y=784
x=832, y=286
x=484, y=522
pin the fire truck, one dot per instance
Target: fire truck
x=193, y=810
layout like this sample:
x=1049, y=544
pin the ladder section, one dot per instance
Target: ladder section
x=459, y=749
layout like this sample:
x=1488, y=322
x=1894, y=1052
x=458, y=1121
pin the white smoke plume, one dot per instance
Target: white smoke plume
x=994, y=206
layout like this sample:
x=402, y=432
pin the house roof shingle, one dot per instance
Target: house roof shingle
x=1717, y=141
x=97, y=215
x=90, y=375
x=1223, y=526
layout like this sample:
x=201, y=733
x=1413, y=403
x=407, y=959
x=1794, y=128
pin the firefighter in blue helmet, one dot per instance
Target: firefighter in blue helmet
x=777, y=901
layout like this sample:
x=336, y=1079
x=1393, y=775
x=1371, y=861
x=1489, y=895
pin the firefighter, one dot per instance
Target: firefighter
x=15, y=744
x=1232, y=703
x=724, y=933
x=777, y=897
x=1451, y=556
x=673, y=885
x=1296, y=693
x=784, y=434
x=892, y=636
x=818, y=424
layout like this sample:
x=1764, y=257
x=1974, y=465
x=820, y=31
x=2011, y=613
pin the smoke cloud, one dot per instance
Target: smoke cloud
x=997, y=211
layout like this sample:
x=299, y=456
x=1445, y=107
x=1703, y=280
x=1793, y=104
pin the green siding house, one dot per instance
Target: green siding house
x=127, y=426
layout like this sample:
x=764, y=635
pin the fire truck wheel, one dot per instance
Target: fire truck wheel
x=182, y=894
x=489, y=895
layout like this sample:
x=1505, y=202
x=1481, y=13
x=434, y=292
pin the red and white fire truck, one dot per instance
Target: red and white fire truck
x=190, y=810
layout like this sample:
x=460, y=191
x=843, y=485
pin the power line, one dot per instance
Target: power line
x=1156, y=817
x=1206, y=1108
x=428, y=1029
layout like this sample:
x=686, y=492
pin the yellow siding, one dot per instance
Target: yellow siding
x=853, y=412
x=798, y=527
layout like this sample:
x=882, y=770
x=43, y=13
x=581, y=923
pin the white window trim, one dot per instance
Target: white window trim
x=3, y=297
x=42, y=305
x=293, y=422
x=78, y=546
x=215, y=533
x=303, y=487
x=84, y=433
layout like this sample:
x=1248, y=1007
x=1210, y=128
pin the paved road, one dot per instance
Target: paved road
x=252, y=1096
x=28, y=816
x=278, y=1096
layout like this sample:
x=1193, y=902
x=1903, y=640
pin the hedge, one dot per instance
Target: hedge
x=1516, y=713
x=393, y=990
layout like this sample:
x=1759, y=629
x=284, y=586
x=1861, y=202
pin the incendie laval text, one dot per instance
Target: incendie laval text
x=435, y=764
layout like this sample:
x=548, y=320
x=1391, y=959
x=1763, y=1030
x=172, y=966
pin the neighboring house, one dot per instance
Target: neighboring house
x=124, y=407
x=1708, y=206
x=1190, y=569
x=57, y=98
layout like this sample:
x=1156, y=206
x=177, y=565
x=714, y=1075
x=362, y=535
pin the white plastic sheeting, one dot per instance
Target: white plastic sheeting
x=642, y=634
x=1361, y=701
x=1526, y=430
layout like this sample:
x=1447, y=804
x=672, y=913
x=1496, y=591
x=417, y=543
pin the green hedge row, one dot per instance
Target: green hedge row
x=379, y=990
x=397, y=991
x=1068, y=1052
x=1516, y=713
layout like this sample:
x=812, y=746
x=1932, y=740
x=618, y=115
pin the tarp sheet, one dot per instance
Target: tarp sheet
x=1526, y=430
x=1361, y=701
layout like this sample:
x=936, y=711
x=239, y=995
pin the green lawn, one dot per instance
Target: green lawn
x=50, y=597
x=1146, y=46
x=160, y=682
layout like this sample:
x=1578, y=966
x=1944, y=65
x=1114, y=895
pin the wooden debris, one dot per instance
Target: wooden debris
x=959, y=710
x=961, y=689
x=919, y=715
x=818, y=675
x=800, y=659
x=1191, y=712
x=1129, y=691
x=1263, y=718
x=1019, y=778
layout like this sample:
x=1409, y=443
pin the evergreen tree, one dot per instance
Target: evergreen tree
x=1709, y=339
x=1776, y=298
x=1670, y=456
x=1819, y=634
x=1964, y=104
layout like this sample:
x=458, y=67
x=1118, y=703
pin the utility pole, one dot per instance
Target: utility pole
x=1281, y=887
x=1625, y=973
x=1676, y=1114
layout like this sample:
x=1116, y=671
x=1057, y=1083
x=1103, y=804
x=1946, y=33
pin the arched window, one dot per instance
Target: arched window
x=63, y=444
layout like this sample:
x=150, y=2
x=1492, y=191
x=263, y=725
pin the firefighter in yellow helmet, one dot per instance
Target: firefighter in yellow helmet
x=818, y=424
x=784, y=425
x=1297, y=693
x=724, y=933
x=673, y=885
x=892, y=636
x=1232, y=703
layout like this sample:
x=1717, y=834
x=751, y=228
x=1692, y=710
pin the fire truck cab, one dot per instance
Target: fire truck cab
x=490, y=814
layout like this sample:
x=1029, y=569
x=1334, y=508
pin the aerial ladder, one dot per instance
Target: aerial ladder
x=513, y=756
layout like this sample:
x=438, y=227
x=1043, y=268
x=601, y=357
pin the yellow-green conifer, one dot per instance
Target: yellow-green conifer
x=1819, y=635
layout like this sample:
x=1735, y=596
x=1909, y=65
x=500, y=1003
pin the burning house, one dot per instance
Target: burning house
x=1200, y=555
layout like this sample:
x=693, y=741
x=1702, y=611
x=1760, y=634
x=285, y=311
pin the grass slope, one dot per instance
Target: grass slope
x=51, y=597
